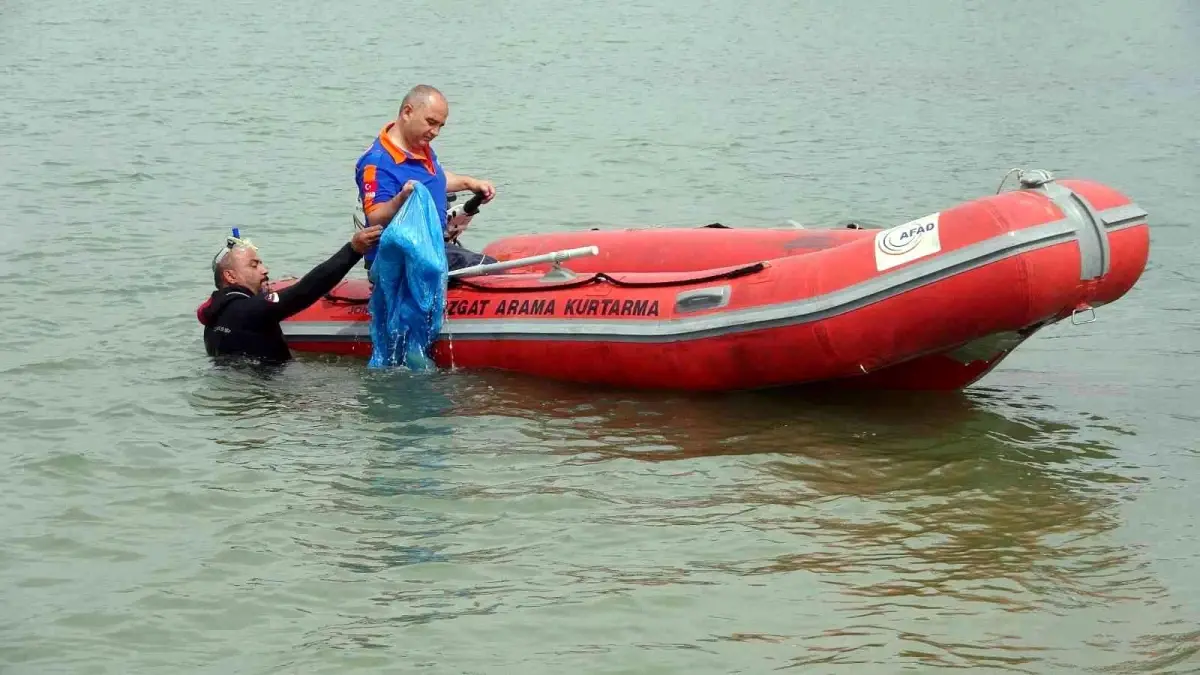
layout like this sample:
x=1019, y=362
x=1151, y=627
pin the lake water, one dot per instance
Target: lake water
x=160, y=514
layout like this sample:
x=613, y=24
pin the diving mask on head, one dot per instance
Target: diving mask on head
x=231, y=243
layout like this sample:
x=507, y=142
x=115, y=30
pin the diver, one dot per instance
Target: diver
x=241, y=318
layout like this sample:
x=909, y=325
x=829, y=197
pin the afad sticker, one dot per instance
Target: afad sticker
x=905, y=243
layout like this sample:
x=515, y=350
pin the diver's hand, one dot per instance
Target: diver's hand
x=365, y=239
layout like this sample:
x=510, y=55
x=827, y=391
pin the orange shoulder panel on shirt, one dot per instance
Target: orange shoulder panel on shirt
x=368, y=188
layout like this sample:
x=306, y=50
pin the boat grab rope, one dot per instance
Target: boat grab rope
x=598, y=277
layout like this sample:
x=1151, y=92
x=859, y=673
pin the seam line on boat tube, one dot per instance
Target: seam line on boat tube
x=754, y=318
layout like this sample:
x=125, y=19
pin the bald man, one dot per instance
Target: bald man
x=240, y=320
x=402, y=154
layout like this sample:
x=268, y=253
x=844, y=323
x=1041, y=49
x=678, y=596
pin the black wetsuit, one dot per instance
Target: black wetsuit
x=239, y=323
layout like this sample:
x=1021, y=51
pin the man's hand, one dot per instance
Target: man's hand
x=457, y=183
x=366, y=238
x=402, y=196
x=486, y=187
x=383, y=212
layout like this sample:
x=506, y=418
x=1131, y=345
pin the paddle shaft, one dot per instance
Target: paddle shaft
x=553, y=257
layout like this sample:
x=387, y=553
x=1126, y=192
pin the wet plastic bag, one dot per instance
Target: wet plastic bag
x=409, y=297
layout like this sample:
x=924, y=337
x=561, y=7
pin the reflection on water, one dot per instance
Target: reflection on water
x=162, y=515
x=838, y=528
x=906, y=506
x=391, y=513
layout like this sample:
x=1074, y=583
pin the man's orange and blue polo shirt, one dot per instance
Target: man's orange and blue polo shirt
x=385, y=167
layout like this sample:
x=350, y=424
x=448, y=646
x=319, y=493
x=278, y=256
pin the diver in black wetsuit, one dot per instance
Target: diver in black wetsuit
x=239, y=320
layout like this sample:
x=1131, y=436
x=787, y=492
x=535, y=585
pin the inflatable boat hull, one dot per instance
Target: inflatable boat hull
x=934, y=303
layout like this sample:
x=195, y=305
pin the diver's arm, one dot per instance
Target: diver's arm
x=322, y=278
x=319, y=281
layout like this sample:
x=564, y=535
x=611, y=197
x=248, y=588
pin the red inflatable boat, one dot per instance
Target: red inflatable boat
x=933, y=303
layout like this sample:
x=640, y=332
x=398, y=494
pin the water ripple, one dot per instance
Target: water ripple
x=164, y=514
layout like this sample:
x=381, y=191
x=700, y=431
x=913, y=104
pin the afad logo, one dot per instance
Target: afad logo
x=905, y=238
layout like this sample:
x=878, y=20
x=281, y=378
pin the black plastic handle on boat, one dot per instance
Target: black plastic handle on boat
x=473, y=204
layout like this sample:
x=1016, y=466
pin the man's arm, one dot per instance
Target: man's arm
x=381, y=213
x=381, y=196
x=458, y=183
x=321, y=279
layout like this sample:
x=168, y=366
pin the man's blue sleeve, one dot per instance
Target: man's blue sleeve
x=376, y=185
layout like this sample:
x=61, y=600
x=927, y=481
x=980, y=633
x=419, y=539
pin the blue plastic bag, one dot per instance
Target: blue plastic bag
x=409, y=297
